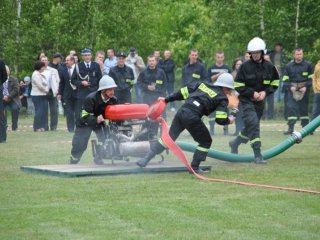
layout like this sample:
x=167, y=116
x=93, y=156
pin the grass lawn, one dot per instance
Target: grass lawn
x=158, y=206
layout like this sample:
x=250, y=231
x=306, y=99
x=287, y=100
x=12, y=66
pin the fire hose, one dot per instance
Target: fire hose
x=155, y=112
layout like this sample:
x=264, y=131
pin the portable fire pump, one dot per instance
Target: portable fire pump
x=126, y=134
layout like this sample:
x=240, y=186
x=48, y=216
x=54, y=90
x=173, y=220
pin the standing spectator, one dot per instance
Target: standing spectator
x=92, y=119
x=99, y=58
x=56, y=61
x=11, y=98
x=72, y=52
x=136, y=63
x=153, y=83
x=255, y=80
x=87, y=78
x=316, y=90
x=297, y=81
x=110, y=61
x=268, y=111
x=213, y=73
x=26, y=93
x=39, y=97
x=68, y=91
x=168, y=66
x=53, y=79
x=238, y=122
x=194, y=71
x=42, y=54
x=157, y=55
x=247, y=56
x=3, y=122
x=123, y=77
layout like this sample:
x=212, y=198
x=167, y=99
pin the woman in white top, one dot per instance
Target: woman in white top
x=39, y=97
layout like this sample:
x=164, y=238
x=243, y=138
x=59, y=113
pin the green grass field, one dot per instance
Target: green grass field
x=158, y=206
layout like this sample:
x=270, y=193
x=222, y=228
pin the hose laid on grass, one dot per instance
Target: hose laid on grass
x=296, y=137
x=180, y=155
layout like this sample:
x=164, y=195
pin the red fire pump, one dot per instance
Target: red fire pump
x=126, y=133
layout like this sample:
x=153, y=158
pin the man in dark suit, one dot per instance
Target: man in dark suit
x=68, y=91
x=87, y=78
x=3, y=122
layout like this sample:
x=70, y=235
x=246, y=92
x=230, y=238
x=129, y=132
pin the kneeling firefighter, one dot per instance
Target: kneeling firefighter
x=92, y=118
x=200, y=99
x=255, y=80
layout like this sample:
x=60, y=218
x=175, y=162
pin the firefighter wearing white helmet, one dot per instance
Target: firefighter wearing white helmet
x=92, y=118
x=200, y=99
x=255, y=80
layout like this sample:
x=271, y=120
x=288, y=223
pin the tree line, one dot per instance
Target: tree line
x=29, y=27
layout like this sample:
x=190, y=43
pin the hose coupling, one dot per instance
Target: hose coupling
x=297, y=136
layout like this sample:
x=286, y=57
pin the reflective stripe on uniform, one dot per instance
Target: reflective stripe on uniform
x=244, y=137
x=221, y=115
x=275, y=83
x=194, y=75
x=285, y=78
x=207, y=90
x=254, y=140
x=304, y=73
x=185, y=93
x=159, y=82
x=304, y=117
x=84, y=113
x=238, y=84
x=202, y=149
x=266, y=82
x=292, y=118
x=129, y=81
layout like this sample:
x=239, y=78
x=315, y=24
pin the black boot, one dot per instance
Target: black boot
x=144, y=161
x=74, y=160
x=258, y=159
x=290, y=130
x=195, y=164
x=234, y=144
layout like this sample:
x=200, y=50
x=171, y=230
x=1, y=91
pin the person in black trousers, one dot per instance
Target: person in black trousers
x=68, y=91
x=87, y=78
x=3, y=122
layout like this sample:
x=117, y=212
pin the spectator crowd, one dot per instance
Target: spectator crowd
x=69, y=80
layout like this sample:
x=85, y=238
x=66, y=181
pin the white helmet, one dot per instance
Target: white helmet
x=257, y=44
x=224, y=80
x=106, y=82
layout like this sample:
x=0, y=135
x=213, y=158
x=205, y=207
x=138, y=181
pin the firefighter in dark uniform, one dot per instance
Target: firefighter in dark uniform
x=123, y=77
x=297, y=82
x=255, y=80
x=194, y=71
x=92, y=118
x=153, y=82
x=201, y=99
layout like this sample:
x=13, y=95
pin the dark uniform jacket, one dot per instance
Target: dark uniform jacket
x=297, y=73
x=123, y=77
x=92, y=75
x=204, y=98
x=168, y=67
x=193, y=73
x=93, y=106
x=256, y=77
x=65, y=88
x=152, y=76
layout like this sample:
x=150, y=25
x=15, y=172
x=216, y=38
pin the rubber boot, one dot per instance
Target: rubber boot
x=144, y=161
x=195, y=164
x=290, y=130
x=258, y=159
x=234, y=144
